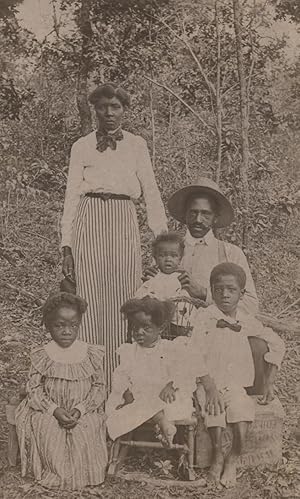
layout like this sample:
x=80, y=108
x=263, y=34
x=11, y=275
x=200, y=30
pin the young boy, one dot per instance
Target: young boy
x=221, y=332
x=167, y=250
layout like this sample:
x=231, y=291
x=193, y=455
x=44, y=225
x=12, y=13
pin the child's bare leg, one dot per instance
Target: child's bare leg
x=217, y=465
x=167, y=428
x=228, y=478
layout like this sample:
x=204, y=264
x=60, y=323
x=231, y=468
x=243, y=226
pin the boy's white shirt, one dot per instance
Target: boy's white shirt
x=205, y=318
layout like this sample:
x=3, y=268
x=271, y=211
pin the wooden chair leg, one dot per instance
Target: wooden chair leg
x=13, y=445
x=191, y=452
x=114, y=457
x=118, y=454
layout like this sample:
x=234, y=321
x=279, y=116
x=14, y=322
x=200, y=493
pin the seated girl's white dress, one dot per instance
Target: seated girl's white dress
x=145, y=372
x=68, y=378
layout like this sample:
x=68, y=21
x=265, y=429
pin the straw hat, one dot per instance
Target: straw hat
x=203, y=185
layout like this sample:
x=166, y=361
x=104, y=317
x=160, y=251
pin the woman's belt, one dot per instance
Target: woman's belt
x=107, y=195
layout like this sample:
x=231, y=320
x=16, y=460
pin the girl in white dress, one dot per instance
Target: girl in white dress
x=152, y=380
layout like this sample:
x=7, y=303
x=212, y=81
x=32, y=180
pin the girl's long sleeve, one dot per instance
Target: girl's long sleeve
x=37, y=398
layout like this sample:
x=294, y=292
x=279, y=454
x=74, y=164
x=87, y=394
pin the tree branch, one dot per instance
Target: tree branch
x=23, y=292
x=237, y=21
x=218, y=95
x=287, y=308
x=184, y=40
x=250, y=71
x=151, y=107
x=85, y=29
x=206, y=125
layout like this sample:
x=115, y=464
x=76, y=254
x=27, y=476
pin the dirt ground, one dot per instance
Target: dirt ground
x=17, y=337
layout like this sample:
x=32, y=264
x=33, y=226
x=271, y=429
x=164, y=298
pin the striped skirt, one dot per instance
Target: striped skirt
x=107, y=255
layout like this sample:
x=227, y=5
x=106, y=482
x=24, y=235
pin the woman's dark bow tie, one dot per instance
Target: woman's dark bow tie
x=233, y=326
x=105, y=140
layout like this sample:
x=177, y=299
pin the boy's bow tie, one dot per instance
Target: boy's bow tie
x=108, y=140
x=233, y=326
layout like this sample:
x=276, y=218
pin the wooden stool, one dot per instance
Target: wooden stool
x=263, y=443
x=120, y=447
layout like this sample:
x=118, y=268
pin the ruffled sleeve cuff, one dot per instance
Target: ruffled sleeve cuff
x=81, y=409
x=52, y=407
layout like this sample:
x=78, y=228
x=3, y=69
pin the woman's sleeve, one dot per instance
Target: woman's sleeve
x=37, y=398
x=157, y=219
x=72, y=196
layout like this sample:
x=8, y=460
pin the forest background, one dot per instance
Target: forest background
x=215, y=91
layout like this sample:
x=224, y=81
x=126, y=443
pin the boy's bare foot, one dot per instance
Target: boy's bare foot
x=170, y=434
x=228, y=478
x=216, y=468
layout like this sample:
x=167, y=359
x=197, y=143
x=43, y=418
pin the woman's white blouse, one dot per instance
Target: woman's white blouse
x=127, y=170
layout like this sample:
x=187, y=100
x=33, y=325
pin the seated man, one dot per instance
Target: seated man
x=202, y=207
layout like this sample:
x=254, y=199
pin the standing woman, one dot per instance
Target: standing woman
x=100, y=234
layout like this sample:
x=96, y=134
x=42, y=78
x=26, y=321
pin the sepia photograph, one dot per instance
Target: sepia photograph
x=150, y=249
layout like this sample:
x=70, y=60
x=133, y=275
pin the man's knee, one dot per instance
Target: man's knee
x=259, y=348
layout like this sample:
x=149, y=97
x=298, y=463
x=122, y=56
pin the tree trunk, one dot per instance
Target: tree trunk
x=85, y=29
x=243, y=115
x=218, y=95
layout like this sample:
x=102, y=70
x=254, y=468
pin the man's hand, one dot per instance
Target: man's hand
x=149, y=272
x=214, y=405
x=194, y=289
x=168, y=393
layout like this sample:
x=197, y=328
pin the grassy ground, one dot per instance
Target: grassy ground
x=31, y=263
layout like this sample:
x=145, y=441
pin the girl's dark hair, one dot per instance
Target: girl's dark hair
x=110, y=90
x=62, y=299
x=169, y=237
x=228, y=268
x=161, y=312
